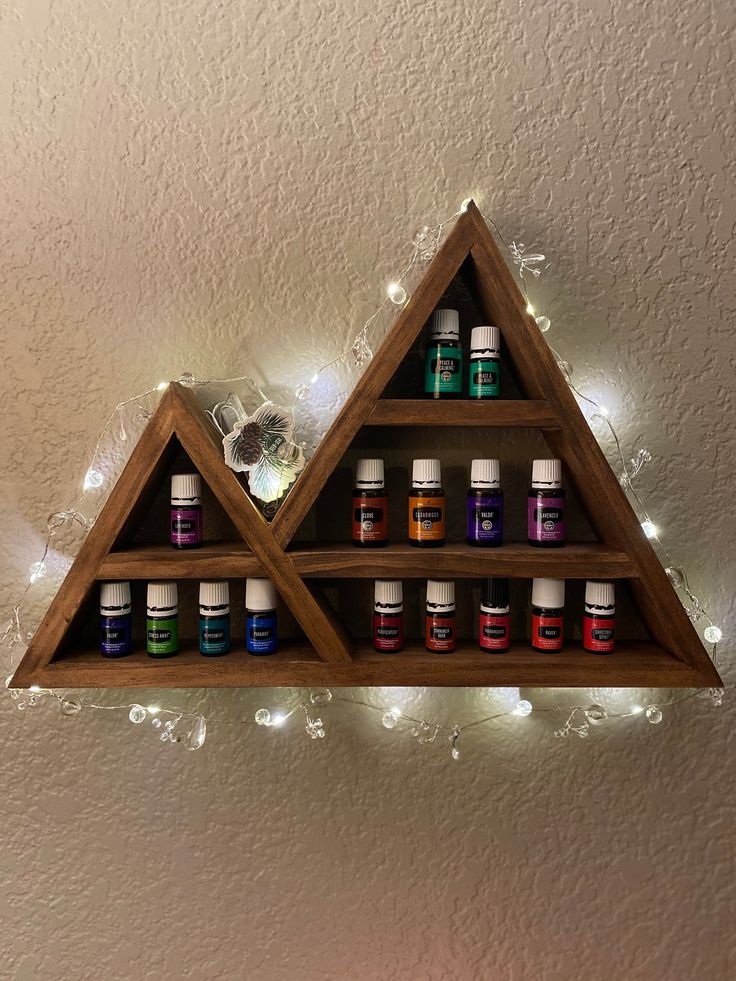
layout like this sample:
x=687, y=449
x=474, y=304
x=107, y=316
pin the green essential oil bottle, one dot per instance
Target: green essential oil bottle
x=162, y=620
x=485, y=348
x=443, y=365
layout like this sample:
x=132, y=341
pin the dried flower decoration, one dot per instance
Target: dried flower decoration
x=261, y=445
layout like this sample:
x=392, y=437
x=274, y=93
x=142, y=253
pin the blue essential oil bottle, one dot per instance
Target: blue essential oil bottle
x=214, y=619
x=261, y=627
x=115, y=619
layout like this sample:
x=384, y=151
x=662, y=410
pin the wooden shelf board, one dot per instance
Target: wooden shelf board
x=233, y=560
x=509, y=413
x=634, y=664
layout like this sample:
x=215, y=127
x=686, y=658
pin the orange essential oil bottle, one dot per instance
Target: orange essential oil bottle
x=599, y=621
x=439, y=620
x=548, y=604
x=370, y=505
x=426, y=505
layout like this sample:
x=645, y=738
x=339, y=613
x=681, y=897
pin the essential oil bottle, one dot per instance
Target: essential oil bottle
x=370, y=505
x=443, y=358
x=546, y=505
x=548, y=604
x=485, y=504
x=116, y=635
x=261, y=623
x=388, y=616
x=439, y=621
x=599, y=620
x=162, y=620
x=494, y=632
x=485, y=365
x=426, y=505
x=186, y=510
x=214, y=619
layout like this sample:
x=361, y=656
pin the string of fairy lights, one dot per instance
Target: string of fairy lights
x=181, y=727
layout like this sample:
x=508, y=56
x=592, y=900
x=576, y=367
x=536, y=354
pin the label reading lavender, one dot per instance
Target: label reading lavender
x=485, y=519
x=186, y=526
x=546, y=519
x=115, y=636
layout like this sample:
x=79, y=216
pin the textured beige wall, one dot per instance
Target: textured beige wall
x=225, y=187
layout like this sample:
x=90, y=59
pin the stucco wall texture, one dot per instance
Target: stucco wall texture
x=227, y=187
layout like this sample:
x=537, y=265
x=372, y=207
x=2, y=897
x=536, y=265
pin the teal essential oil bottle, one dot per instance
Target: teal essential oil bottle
x=484, y=376
x=443, y=359
x=261, y=622
x=162, y=620
x=214, y=619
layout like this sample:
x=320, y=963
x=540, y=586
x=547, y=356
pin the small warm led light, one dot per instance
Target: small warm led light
x=162, y=385
x=712, y=634
x=278, y=719
x=314, y=378
x=636, y=709
x=396, y=293
x=603, y=411
x=93, y=478
x=529, y=308
x=153, y=709
x=465, y=204
x=395, y=710
x=34, y=688
x=523, y=707
x=649, y=529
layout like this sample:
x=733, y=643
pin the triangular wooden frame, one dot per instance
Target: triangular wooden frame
x=675, y=657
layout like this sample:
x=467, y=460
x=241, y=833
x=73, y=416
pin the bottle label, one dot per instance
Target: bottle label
x=546, y=632
x=261, y=635
x=485, y=519
x=186, y=526
x=443, y=370
x=162, y=636
x=115, y=635
x=439, y=633
x=598, y=634
x=494, y=632
x=426, y=519
x=388, y=631
x=370, y=520
x=484, y=378
x=546, y=519
x=214, y=635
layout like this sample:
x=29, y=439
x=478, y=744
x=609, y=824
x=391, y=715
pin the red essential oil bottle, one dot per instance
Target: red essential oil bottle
x=439, y=622
x=599, y=621
x=370, y=505
x=548, y=603
x=388, y=616
x=494, y=633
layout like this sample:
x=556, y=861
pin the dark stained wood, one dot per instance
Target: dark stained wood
x=635, y=664
x=463, y=412
x=234, y=560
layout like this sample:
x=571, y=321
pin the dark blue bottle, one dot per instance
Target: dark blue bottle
x=116, y=635
x=261, y=623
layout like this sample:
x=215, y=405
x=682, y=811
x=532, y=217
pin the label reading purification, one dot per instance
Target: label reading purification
x=261, y=633
x=214, y=635
x=443, y=371
x=115, y=636
x=598, y=634
x=388, y=632
x=162, y=636
x=484, y=379
x=546, y=519
x=485, y=519
x=186, y=526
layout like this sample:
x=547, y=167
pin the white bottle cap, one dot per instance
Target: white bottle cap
x=214, y=595
x=426, y=473
x=115, y=598
x=485, y=473
x=186, y=487
x=546, y=473
x=389, y=596
x=485, y=339
x=162, y=597
x=369, y=474
x=445, y=325
x=440, y=595
x=600, y=597
x=549, y=594
x=260, y=595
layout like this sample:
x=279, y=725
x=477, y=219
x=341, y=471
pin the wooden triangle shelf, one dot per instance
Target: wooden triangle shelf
x=325, y=653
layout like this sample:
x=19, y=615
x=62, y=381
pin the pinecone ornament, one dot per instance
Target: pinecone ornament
x=247, y=448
